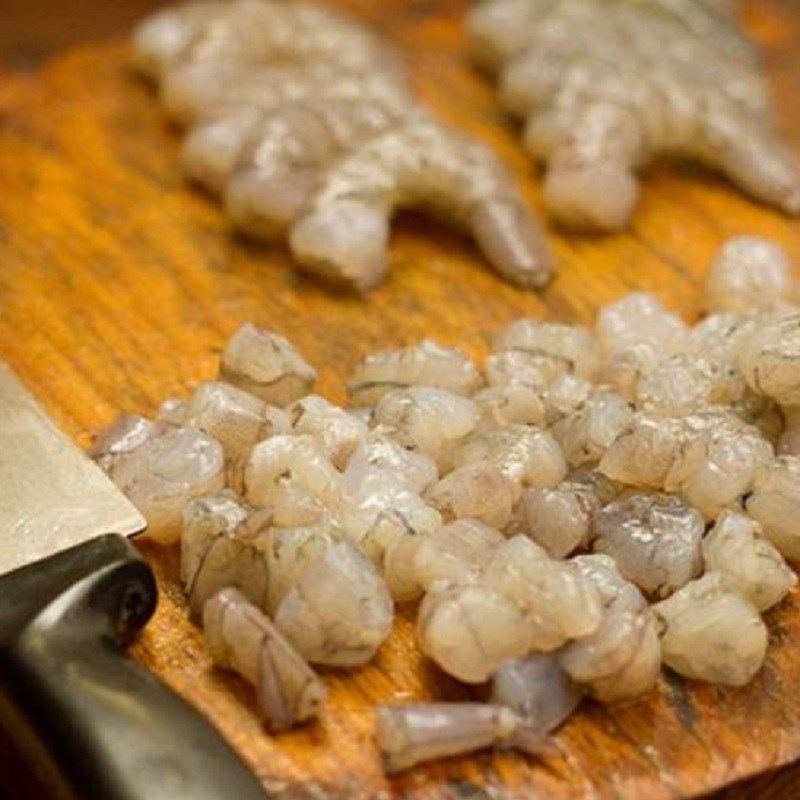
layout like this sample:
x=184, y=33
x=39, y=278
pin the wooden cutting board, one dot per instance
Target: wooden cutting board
x=119, y=285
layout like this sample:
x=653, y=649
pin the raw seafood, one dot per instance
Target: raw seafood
x=412, y=734
x=339, y=612
x=604, y=88
x=654, y=540
x=303, y=121
x=702, y=624
x=775, y=503
x=746, y=561
x=242, y=638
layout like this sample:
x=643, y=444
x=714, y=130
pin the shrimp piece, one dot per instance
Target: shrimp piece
x=509, y=404
x=587, y=431
x=558, y=519
x=572, y=344
x=479, y=490
x=241, y=638
x=634, y=334
x=470, y=630
x=380, y=511
x=266, y=365
x=556, y=601
x=345, y=233
x=686, y=383
x=218, y=550
x=455, y=553
x=621, y=660
x=775, y=504
x=710, y=458
x=235, y=418
x=378, y=452
x=339, y=612
x=433, y=421
x=710, y=633
x=654, y=540
x=519, y=367
x=414, y=734
x=538, y=689
x=604, y=89
x=770, y=358
x=291, y=475
x=337, y=433
x=527, y=455
x=164, y=472
x=748, y=273
x=747, y=562
x=123, y=436
x=424, y=364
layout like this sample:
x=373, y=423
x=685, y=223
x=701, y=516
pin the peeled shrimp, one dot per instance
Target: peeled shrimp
x=266, y=365
x=747, y=562
x=424, y=364
x=164, y=472
x=748, y=273
x=604, y=89
x=479, y=490
x=711, y=633
x=775, y=503
x=620, y=660
x=413, y=734
x=654, y=540
x=235, y=418
x=243, y=639
x=305, y=124
x=340, y=610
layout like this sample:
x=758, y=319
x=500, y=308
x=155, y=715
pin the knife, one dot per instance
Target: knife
x=73, y=592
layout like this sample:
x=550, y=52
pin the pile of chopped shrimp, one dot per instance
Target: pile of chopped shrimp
x=584, y=508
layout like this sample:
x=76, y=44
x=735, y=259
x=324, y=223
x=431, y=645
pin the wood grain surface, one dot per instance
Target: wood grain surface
x=119, y=285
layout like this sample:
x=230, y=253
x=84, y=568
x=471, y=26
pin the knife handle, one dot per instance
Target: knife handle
x=94, y=724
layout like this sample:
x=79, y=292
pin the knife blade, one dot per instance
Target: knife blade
x=51, y=496
x=93, y=724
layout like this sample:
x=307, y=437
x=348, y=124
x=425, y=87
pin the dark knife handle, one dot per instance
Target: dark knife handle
x=94, y=724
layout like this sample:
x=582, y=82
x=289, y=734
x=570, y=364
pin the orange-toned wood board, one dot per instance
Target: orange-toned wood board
x=119, y=285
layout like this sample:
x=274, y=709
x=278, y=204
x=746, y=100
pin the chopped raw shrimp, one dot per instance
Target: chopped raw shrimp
x=654, y=540
x=414, y=469
x=621, y=660
x=711, y=633
x=770, y=358
x=424, y=364
x=164, y=472
x=470, y=630
x=433, y=421
x=237, y=419
x=455, y=553
x=527, y=455
x=747, y=562
x=556, y=601
x=241, y=638
x=479, y=490
x=417, y=733
x=509, y=404
x=572, y=344
x=336, y=432
x=266, y=365
x=748, y=273
x=291, y=475
x=339, y=612
x=775, y=503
